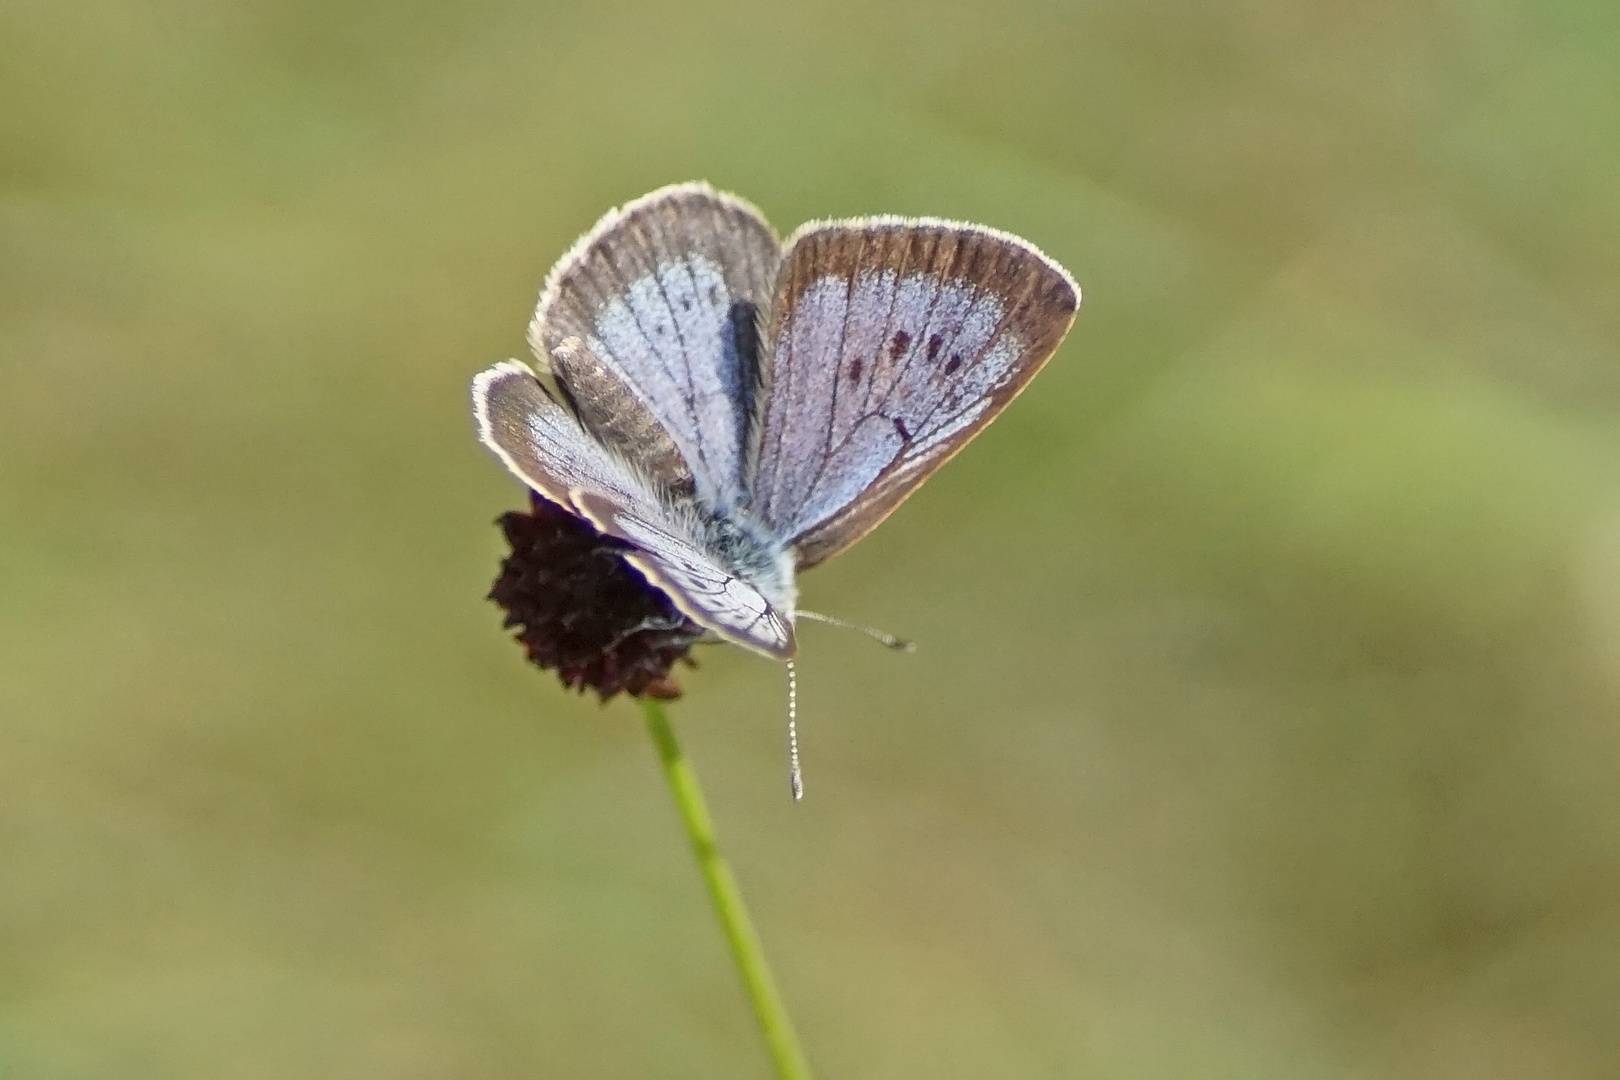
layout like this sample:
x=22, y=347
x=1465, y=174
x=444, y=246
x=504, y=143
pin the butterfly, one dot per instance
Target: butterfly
x=736, y=409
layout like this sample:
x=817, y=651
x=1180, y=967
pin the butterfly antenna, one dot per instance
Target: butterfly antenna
x=795, y=777
x=886, y=640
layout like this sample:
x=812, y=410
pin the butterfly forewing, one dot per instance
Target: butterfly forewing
x=543, y=444
x=650, y=325
x=892, y=343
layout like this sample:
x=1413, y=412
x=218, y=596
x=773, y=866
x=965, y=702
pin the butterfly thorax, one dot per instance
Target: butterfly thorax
x=751, y=551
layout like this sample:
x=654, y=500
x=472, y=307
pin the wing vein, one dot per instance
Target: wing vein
x=838, y=367
x=690, y=397
x=635, y=316
x=928, y=320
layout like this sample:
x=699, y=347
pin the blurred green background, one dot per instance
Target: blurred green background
x=1267, y=716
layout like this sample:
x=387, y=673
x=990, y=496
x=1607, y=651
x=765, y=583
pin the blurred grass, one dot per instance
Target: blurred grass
x=1265, y=717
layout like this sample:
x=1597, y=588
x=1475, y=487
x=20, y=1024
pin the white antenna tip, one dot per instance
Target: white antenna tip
x=795, y=777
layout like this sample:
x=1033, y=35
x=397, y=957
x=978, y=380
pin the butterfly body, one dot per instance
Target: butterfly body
x=737, y=409
x=746, y=548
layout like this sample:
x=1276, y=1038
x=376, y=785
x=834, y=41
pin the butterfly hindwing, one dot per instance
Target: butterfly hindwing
x=653, y=316
x=545, y=446
x=694, y=580
x=892, y=343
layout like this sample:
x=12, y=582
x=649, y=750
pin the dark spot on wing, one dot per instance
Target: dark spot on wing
x=901, y=342
x=934, y=344
x=662, y=329
x=855, y=370
x=900, y=426
x=686, y=303
x=954, y=363
x=714, y=295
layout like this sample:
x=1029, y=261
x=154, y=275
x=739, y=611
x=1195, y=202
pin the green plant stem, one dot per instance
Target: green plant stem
x=774, y=1021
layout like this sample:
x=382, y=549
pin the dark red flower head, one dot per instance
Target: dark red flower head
x=584, y=612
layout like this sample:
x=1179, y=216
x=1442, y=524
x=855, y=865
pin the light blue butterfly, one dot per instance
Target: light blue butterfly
x=738, y=409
